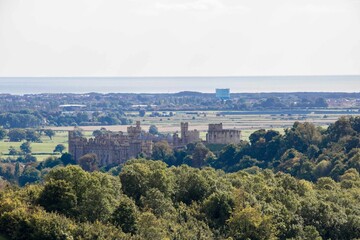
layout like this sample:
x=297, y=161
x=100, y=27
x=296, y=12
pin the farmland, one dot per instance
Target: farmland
x=247, y=123
x=199, y=120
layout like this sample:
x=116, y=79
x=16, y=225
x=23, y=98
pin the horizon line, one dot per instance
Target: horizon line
x=189, y=76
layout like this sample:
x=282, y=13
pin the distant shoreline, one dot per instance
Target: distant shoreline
x=153, y=85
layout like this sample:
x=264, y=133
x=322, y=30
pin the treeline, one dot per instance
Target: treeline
x=183, y=101
x=149, y=200
x=30, y=135
x=35, y=119
x=304, y=151
x=26, y=170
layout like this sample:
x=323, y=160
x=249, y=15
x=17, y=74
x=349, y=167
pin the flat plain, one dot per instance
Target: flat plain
x=247, y=123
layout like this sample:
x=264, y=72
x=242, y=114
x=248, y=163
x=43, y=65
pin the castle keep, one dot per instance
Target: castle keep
x=217, y=135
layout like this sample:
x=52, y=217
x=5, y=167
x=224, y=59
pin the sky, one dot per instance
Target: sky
x=179, y=37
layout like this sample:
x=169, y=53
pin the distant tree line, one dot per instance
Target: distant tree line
x=28, y=119
x=30, y=135
x=46, y=104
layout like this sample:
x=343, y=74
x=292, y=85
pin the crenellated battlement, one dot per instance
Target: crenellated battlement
x=217, y=135
x=111, y=148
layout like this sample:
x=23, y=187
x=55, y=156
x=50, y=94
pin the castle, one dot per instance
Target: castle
x=186, y=136
x=113, y=148
x=217, y=135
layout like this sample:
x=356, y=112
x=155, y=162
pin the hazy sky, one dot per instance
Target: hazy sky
x=179, y=37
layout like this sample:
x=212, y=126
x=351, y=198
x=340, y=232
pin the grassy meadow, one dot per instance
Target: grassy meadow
x=197, y=120
x=40, y=150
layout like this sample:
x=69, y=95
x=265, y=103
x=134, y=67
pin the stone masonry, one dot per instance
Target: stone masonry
x=217, y=135
x=111, y=148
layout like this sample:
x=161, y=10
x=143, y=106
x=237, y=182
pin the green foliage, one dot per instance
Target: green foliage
x=153, y=130
x=25, y=147
x=19, y=120
x=308, y=193
x=50, y=133
x=139, y=176
x=249, y=223
x=190, y=185
x=125, y=216
x=218, y=208
x=96, y=194
x=162, y=151
x=32, y=136
x=58, y=196
x=3, y=133
x=59, y=148
x=16, y=135
x=29, y=175
x=67, y=159
x=89, y=162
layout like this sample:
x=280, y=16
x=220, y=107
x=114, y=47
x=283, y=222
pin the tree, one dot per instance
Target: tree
x=156, y=202
x=59, y=148
x=25, y=147
x=67, y=159
x=218, y=208
x=32, y=136
x=302, y=135
x=3, y=133
x=28, y=158
x=97, y=194
x=125, y=216
x=138, y=176
x=321, y=102
x=13, y=151
x=29, y=175
x=98, y=132
x=190, y=185
x=249, y=223
x=153, y=130
x=17, y=135
x=162, y=151
x=89, y=162
x=50, y=133
x=58, y=196
x=142, y=113
x=200, y=155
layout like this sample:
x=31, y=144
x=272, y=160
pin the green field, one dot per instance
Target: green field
x=40, y=150
x=197, y=120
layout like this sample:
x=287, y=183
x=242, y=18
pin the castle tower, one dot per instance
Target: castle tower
x=184, y=131
x=134, y=132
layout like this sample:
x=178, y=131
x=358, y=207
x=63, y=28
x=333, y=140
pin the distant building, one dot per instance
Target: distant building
x=72, y=107
x=217, y=135
x=223, y=93
x=186, y=136
x=114, y=148
x=111, y=148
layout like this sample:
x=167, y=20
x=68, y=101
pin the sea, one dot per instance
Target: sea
x=249, y=84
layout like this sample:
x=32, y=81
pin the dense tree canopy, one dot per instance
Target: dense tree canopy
x=303, y=184
x=150, y=201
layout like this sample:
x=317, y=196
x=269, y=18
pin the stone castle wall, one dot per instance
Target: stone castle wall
x=117, y=148
x=111, y=148
x=217, y=135
x=186, y=136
